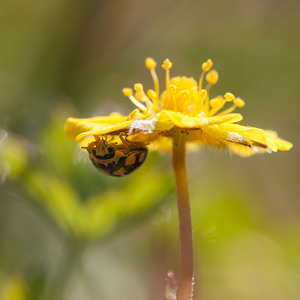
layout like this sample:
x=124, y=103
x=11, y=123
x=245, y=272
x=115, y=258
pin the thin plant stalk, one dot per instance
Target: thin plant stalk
x=185, y=222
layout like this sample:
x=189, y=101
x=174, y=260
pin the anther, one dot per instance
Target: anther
x=184, y=93
x=127, y=92
x=167, y=64
x=202, y=96
x=150, y=63
x=212, y=77
x=138, y=87
x=229, y=97
x=216, y=102
x=239, y=102
x=172, y=90
x=139, y=97
x=206, y=66
x=152, y=95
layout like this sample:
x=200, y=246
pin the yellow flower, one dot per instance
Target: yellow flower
x=183, y=113
x=184, y=108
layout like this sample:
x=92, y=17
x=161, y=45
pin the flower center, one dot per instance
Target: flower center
x=182, y=94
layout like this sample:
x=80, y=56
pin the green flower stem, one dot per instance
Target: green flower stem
x=185, y=222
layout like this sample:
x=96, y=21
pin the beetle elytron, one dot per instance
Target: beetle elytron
x=116, y=159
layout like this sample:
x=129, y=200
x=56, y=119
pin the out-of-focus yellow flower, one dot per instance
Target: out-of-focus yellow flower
x=184, y=108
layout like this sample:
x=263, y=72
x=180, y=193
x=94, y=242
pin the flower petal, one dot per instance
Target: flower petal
x=74, y=126
x=246, y=151
x=247, y=136
x=279, y=143
x=229, y=118
x=168, y=119
x=104, y=129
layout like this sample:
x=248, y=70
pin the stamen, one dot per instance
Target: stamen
x=228, y=110
x=153, y=96
x=202, y=96
x=184, y=93
x=138, y=87
x=167, y=65
x=148, y=102
x=216, y=104
x=201, y=99
x=172, y=90
x=141, y=96
x=151, y=64
x=206, y=66
x=239, y=102
x=185, y=96
x=212, y=77
x=129, y=93
x=229, y=97
x=138, y=97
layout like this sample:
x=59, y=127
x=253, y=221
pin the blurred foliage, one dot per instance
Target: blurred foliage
x=70, y=232
x=51, y=183
x=13, y=290
x=46, y=174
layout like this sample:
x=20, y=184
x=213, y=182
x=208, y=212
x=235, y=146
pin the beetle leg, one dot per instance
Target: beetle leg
x=109, y=138
x=124, y=140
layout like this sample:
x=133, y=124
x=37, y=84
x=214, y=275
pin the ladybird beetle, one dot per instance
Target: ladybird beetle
x=116, y=159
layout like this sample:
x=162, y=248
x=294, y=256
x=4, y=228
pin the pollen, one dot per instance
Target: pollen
x=150, y=63
x=212, y=77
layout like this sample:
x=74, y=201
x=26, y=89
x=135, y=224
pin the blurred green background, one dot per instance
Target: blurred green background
x=69, y=232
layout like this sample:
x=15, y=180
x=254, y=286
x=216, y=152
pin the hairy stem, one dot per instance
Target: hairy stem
x=185, y=223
